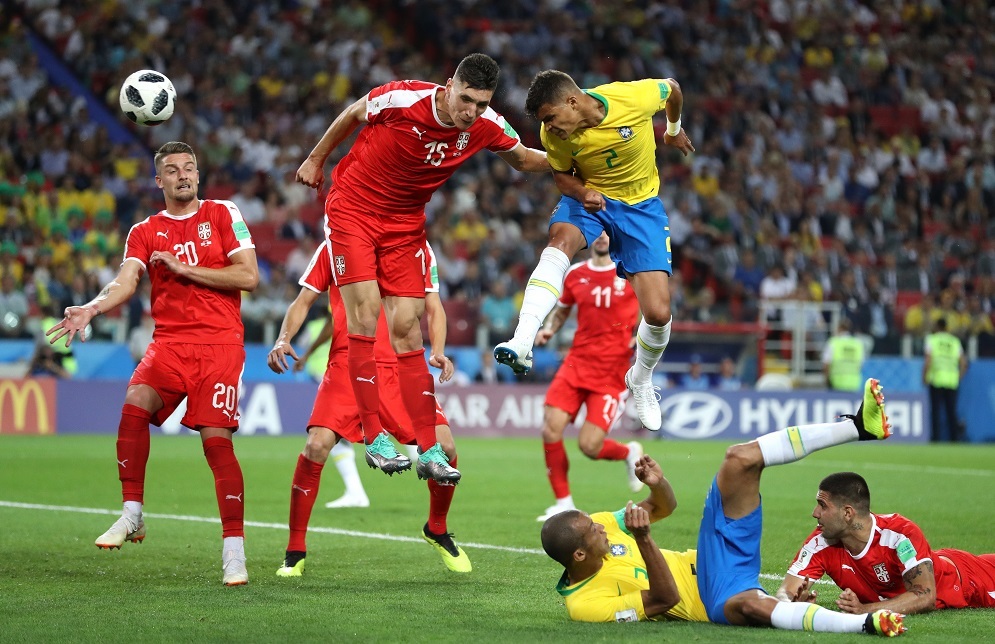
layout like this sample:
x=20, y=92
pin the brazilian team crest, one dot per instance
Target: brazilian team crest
x=625, y=132
x=619, y=550
x=204, y=230
x=462, y=140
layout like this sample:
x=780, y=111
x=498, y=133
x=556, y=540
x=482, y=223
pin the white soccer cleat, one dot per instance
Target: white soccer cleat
x=233, y=567
x=555, y=509
x=635, y=453
x=647, y=402
x=352, y=500
x=516, y=355
x=124, y=529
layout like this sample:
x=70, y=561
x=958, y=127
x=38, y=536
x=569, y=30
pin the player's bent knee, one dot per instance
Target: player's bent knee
x=743, y=457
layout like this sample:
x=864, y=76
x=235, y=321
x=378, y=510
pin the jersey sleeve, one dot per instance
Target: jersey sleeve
x=650, y=95
x=318, y=274
x=138, y=246
x=602, y=606
x=395, y=94
x=505, y=137
x=909, y=544
x=234, y=233
x=810, y=560
x=431, y=270
x=557, y=152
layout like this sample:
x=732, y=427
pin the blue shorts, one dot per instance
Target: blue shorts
x=639, y=234
x=728, y=555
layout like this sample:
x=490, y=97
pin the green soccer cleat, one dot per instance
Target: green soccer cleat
x=870, y=419
x=381, y=455
x=434, y=464
x=452, y=555
x=293, y=565
x=124, y=529
x=885, y=623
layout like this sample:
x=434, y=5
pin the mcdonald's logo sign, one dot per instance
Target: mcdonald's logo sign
x=27, y=406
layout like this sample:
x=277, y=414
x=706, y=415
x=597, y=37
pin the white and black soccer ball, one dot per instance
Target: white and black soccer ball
x=148, y=97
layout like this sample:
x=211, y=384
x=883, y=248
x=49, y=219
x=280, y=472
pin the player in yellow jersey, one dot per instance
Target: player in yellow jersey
x=614, y=571
x=601, y=146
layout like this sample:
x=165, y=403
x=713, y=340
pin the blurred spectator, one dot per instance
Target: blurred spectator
x=728, y=378
x=45, y=362
x=919, y=317
x=488, y=373
x=13, y=309
x=140, y=337
x=498, y=313
x=695, y=379
x=459, y=379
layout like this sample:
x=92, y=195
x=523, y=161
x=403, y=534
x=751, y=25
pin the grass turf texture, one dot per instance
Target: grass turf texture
x=55, y=585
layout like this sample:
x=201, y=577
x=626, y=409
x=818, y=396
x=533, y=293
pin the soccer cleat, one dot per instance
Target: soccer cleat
x=350, y=500
x=884, y=623
x=233, y=567
x=647, y=402
x=870, y=419
x=124, y=529
x=555, y=509
x=434, y=464
x=515, y=355
x=381, y=455
x=635, y=453
x=293, y=565
x=452, y=555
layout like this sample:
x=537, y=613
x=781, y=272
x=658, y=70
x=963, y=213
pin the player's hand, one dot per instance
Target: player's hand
x=169, y=260
x=300, y=363
x=277, y=358
x=679, y=141
x=648, y=471
x=311, y=173
x=593, y=201
x=637, y=520
x=543, y=337
x=75, y=321
x=805, y=592
x=440, y=361
x=848, y=603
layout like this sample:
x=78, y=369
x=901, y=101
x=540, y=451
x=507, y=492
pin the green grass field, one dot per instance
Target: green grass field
x=56, y=586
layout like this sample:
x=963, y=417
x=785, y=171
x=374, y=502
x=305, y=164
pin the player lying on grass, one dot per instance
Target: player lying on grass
x=882, y=560
x=614, y=571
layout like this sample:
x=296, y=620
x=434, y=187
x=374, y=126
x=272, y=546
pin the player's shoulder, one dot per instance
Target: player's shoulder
x=576, y=269
x=896, y=522
x=399, y=94
x=221, y=207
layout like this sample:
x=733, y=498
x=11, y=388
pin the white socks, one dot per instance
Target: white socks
x=234, y=544
x=344, y=457
x=133, y=509
x=802, y=616
x=541, y=293
x=795, y=443
x=650, y=343
x=412, y=451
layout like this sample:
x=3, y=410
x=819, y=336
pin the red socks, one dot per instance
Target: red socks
x=418, y=394
x=612, y=451
x=228, y=484
x=557, y=466
x=362, y=373
x=133, y=451
x=440, y=498
x=303, y=493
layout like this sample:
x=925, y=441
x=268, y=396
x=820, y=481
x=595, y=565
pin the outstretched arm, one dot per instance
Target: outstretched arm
x=555, y=323
x=919, y=595
x=661, y=502
x=663, y=593
x=324, y=335
x=292, y=321
x=116, y=292
x=675, y=136
x=526, y=159
x=312, y=173
x=437, y=330
x=796, y=589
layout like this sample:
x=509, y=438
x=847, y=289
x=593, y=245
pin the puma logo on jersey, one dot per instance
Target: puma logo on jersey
x=846, y=567
x=428, y=393
x=160, y=233
x=418, y=132
x=122, y=464
x=584, y=280
x=369, y=380
x=301, y=490
x=237, y=497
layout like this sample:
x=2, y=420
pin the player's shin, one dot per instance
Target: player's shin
x=228, y=484
x=362, y=375
x=802, y=616
x=303, y=493
x=543, y=289
x=651, y=341
x=795, y=443
x=418, y=395
x=557, y=467
x=133, y=455
x=440, y=499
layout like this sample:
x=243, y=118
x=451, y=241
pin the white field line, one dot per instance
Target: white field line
x=283, y=526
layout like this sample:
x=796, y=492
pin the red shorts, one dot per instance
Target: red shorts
x=209, y=376
x=369, y=246
x=977, y=577
x=335, y=406
x=604, y=401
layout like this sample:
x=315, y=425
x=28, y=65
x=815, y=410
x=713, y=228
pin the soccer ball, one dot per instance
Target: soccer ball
x=148, y=97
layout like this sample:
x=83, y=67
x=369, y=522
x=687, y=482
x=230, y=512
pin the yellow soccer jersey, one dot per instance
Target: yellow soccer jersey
x=617, y=157
x=614, y=593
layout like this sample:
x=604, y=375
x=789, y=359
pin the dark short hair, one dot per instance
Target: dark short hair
x=547, y=88
x=941, y=324
x=478, y=71
x=849, y=488
x=560, y=538
x=172, y=147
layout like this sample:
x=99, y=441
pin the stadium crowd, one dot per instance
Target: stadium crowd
x=845, y=149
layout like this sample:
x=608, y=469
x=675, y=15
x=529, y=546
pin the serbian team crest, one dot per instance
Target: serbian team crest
x=463, y=140
x=340, y=264
x=881, y=570
x=625, y=132
x=619, y=550
x=619, y=285
x=204, y=230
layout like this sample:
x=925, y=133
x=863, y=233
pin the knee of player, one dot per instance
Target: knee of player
x=591, y=447
x=744, y=456
x=658, y=314
x=757, y=607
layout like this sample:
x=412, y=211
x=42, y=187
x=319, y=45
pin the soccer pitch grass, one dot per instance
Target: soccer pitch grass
x=381, y=582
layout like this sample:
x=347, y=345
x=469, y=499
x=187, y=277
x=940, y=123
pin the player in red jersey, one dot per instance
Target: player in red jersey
x=335, y=415
x=199, y=256
x=417, y=134
x=593, y=372
x=882, y=560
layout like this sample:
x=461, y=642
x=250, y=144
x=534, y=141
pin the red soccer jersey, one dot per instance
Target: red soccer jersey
x=183, y=310
x=405, y=152
x=318, y=278
x=607, y=312
x=896, y=546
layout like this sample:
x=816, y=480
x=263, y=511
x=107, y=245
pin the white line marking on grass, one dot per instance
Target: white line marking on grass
x=927, y=469
x=283, y=526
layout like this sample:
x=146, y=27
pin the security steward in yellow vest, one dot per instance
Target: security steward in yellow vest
x=942, y=370
x=843, y=359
